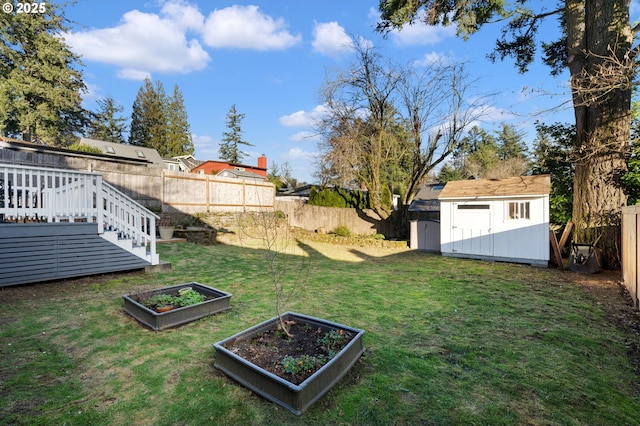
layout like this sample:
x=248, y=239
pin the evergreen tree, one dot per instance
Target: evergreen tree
x=552, y=154
x=106, y=125
x=483, y=158
x=179, y=139
x=160, y=122
x=232, y=139
x=511, y=143
x=449, y=172
x=148, y=118
x=476, y=139
x=40, y=94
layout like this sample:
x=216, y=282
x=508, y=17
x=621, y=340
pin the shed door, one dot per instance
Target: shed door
x=471, y=229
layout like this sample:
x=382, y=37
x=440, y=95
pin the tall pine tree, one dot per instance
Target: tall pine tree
x=232, y=139
x=179, y=139
x=148, y=118
x=40, y=79
x=511, y=143
x=159, y=121
x=106, y=125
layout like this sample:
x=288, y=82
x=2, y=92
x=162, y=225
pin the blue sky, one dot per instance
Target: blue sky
x=270, y=58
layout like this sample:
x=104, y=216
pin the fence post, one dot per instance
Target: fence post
x=630, y=252
x=208, y=193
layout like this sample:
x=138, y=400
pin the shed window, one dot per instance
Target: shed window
x=140, y=154
x=109, y=149
x=473, y=206
x=519, y=210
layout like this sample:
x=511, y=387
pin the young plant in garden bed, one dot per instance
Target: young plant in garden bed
x=306, y=356
x=171, y=306
x=296, y=356
x=185, y=297
x=295, y=369
x=288, y=274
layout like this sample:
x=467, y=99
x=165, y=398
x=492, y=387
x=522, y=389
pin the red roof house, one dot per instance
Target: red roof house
x=217, y=166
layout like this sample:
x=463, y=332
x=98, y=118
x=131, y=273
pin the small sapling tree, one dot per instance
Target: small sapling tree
x=288, y=270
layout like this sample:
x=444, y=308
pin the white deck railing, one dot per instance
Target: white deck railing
x=30, y=194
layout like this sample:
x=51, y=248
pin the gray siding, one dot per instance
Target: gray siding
x=49, y=251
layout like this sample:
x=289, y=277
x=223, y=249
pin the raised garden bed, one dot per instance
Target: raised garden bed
x=136, y=305
x=286, y=376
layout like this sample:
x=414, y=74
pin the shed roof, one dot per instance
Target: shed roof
x=513, y=186
x=426, y=199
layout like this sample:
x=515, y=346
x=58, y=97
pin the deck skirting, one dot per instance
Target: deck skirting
x=35, y=252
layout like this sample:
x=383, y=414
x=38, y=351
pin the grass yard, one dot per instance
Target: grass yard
x=448, y=342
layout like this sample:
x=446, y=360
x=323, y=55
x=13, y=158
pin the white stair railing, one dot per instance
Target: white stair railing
x=130, y=219
x=34, y=194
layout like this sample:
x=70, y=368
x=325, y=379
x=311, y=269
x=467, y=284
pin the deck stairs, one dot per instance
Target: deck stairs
x=44, y=196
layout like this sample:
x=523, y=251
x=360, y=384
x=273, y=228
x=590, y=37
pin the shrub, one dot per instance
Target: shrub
x=342, y=231
x=85, y=148
x=338, y=197
x=385, y=197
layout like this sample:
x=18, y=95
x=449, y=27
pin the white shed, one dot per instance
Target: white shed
x=496, y=219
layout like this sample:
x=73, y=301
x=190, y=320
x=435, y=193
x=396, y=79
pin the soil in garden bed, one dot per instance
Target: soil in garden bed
x=305, y=352
x=146, y=300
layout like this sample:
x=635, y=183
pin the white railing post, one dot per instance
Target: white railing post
x=152, y=235
x=99, y=200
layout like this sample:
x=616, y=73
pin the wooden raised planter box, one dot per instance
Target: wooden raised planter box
x=217, y=301
x=295, y=398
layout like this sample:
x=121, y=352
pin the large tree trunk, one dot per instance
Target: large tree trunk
x=598, y=55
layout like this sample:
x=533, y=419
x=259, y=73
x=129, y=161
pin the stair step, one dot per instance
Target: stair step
x=128, y=244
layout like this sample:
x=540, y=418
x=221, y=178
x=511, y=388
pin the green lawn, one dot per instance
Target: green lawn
x=448, y=341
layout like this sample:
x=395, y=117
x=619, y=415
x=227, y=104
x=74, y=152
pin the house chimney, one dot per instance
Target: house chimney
x=262, y=162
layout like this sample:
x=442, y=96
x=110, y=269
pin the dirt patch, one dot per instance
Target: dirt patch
x=53, y=289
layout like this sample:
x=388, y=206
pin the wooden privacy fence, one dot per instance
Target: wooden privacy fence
x=631, y=250
x=195, y=193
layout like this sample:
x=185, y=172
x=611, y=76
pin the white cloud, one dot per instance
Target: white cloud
x=303, y=118
x=418, y=33
x=184, y=15
x=489, y=114
x=433, y=58
x=246, y=27
x=422, y=34
x=92, y=93
x=206, y=148
x=331, y=39
x=131, y=74
x=141, y=44
x=305, y=136
x=299, y=154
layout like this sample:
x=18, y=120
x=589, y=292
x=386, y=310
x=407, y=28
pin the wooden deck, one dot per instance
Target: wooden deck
x=35, y=252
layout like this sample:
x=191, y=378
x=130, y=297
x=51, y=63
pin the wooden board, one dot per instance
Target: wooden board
x=556, y=249
x=565, y=236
